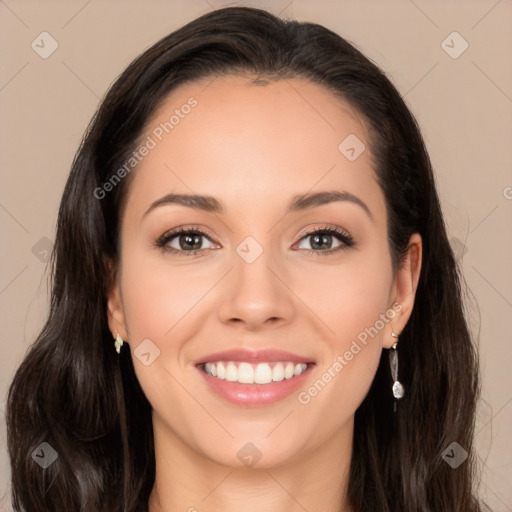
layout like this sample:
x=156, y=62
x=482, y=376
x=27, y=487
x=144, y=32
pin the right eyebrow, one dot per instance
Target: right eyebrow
x=205, y=203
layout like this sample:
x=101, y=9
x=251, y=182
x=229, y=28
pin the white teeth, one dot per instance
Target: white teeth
x=288, y=371
x=278, y=372
x=231, y=373
x=247, y=373
x=263, y=374
x=221, y=370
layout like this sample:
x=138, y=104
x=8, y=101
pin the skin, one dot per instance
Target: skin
x=254, y=147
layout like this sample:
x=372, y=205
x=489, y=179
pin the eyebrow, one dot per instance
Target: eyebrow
x=299, y=202
x=305, y=201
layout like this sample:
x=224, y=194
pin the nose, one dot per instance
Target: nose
x=256, y=296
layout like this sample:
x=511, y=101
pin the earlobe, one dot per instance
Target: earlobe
x=406, y=284
x=115, y=313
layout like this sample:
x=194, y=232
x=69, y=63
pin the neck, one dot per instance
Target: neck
x=189, y=481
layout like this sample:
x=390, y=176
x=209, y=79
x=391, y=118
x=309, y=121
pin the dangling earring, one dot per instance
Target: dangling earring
x=398, y=389
x=118, y=343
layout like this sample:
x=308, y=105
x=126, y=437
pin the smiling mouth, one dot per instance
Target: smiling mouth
x=250, y=373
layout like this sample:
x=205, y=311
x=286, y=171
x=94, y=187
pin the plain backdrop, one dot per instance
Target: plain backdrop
x=461, y=97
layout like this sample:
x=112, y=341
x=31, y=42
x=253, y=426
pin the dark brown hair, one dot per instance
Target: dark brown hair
x=73, y=391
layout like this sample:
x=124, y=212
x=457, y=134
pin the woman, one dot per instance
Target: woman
x=254, y=303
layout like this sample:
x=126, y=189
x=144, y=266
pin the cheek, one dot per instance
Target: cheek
x=159, y=304
x=353, y=301
x=157, y=294
x=350, y=296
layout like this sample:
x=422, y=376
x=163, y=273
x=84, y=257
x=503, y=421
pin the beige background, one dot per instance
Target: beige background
x=463, y=105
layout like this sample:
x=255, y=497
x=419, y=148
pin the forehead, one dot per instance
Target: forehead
x=290, y=107
x=228, y=136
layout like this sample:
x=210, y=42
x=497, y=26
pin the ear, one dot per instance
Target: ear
x=115, y=309
x=404, y=289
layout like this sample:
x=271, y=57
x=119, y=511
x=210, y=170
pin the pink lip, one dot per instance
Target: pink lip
x=253, y=356
x=254, y=395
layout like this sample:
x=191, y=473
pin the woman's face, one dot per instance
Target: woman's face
x=271, y=294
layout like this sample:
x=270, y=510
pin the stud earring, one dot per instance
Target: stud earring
x=398, y=389
x=118, y=343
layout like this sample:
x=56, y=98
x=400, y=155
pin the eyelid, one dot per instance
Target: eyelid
x=187, y=228
x=322, y=228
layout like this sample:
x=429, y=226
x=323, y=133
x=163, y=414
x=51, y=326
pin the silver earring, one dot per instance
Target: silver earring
x=398, y=389
x=118, y=343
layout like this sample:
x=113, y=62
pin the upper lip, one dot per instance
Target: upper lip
x=253, y=356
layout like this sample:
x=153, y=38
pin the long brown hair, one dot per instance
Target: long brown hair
x=75, y=393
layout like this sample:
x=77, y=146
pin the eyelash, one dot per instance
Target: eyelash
x=343, y=236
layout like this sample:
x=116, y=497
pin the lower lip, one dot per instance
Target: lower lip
x=255, y=395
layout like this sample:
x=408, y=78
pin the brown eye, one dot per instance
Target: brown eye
x=185, y=241
x=326, y=240
x=190, y=241
x=321, y=241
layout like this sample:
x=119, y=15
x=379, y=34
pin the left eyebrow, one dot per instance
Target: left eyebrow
x=299, y=201
x=304, y=201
